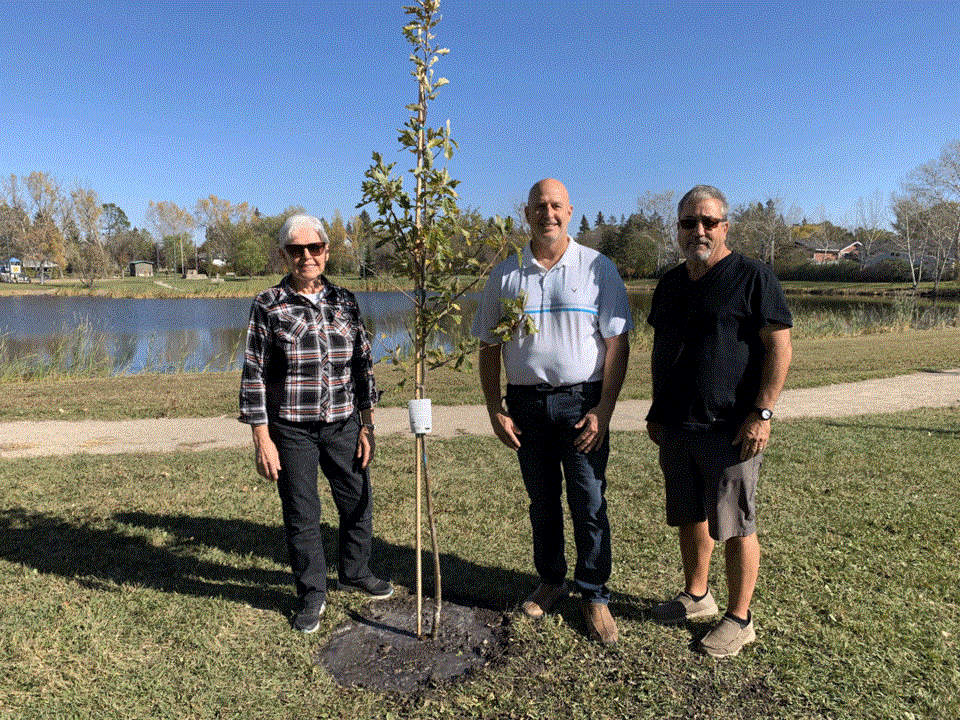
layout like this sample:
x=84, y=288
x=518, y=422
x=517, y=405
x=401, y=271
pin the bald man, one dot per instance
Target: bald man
x=562, y=386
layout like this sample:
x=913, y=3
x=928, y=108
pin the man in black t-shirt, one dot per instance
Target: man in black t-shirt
x=721, y=351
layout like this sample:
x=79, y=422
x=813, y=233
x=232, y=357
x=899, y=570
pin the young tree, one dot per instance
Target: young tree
x=422, y=227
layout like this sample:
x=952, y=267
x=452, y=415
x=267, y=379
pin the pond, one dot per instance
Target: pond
x=159, y=335
x=132, y=335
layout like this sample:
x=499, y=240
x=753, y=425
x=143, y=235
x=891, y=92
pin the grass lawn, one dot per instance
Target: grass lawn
x=154, y=586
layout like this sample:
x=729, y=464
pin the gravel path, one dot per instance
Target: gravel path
x=56, y=437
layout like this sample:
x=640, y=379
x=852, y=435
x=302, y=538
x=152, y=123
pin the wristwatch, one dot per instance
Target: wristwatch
x=368, y=426
x=763, y=413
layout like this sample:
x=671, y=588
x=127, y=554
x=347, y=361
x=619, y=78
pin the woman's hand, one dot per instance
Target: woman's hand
x=265, y=453
x=366, y=445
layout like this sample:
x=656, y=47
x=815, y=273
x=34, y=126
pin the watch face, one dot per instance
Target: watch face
x=764, y=413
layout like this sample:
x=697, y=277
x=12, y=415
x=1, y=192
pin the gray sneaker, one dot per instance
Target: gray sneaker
x=307, y=617
x=684, y=607
x=726, y=639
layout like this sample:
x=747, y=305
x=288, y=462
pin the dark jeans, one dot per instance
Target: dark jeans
x=547, y=456
x=303, y=448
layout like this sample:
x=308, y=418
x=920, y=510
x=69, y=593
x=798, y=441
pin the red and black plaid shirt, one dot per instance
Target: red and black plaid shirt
x=305, y=362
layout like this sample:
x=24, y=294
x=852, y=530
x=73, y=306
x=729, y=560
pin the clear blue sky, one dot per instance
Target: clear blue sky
x=279, y=104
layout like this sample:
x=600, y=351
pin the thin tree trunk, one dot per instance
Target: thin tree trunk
x=438, y=601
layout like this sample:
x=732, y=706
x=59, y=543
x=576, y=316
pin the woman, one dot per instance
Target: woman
x=308, y=392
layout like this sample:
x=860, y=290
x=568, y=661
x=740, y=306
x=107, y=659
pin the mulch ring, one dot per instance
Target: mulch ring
x=379, y=650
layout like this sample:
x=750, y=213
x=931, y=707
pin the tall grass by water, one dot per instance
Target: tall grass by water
x=845, y=319
x=81, y=349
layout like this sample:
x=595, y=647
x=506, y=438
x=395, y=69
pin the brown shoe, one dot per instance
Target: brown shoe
x=600, y=624
x=542, y=599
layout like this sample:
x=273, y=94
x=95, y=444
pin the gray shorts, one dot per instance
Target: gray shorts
x=705, y=479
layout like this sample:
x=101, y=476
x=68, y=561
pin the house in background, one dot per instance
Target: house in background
x=12, y=271
x=141, y=268
x=832, y=252
x=42, y=269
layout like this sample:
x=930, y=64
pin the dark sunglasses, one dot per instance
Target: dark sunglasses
x=298, y=250
x=709, y=223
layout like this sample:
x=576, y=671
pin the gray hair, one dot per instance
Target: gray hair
x=704, y=192
x=295, y=222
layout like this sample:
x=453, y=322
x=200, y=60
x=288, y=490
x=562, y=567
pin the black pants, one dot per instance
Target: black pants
x=303, y=448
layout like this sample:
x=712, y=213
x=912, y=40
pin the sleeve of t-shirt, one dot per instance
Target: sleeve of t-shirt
x=774, y=309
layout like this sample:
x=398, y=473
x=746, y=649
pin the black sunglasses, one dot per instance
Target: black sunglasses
x=298, y=250
x=709, y=223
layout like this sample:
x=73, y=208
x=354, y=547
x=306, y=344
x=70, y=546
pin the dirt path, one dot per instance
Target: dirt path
x=54, y=437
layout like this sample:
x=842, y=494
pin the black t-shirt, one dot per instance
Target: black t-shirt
x=707, y=352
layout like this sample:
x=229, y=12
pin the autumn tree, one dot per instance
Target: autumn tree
x=91, y=258
x=172, y=221
x=340, y=259
x=37, y=212
x=217, y=216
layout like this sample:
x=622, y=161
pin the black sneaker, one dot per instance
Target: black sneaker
x=307, y=618
x=373, y=587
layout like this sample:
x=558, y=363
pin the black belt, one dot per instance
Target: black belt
x=545, y=388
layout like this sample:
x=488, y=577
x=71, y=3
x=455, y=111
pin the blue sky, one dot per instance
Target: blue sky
x=279, y=104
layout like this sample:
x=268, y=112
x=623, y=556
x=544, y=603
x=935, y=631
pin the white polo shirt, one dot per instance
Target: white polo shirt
x=575, y=305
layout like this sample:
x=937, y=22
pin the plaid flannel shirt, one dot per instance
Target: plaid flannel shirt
x=305, y=362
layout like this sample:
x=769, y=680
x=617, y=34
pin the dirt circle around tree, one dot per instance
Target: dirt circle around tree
x=378, y=649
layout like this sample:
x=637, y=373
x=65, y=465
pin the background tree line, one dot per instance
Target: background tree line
x=71, y=231
x=911, y=236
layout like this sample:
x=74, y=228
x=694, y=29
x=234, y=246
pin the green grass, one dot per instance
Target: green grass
x=146, y=586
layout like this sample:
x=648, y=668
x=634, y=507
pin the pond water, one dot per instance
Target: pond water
x=161, y=335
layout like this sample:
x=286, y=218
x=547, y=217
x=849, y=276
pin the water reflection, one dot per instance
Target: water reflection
x=132, y=335
x=128, y=335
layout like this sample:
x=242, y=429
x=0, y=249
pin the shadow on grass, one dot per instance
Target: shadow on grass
x=948, y=432
x=188, y=558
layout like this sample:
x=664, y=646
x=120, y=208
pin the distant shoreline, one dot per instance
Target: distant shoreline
x=164, y=287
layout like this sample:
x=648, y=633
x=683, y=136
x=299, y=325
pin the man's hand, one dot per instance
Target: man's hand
x=753, y=437
x=366, y=446
x=594, y=427
x=265, y=453
x=505, y=429
x=655, y=430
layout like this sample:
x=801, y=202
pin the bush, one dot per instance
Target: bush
x=844, y=271
x=889, y=271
